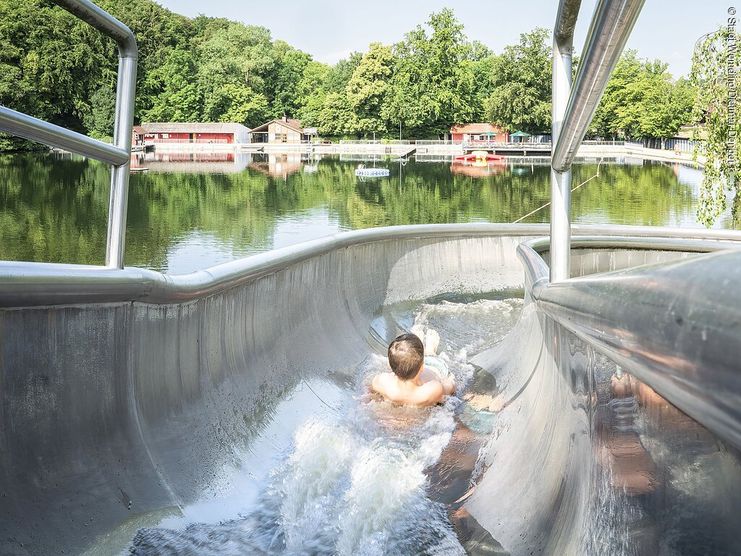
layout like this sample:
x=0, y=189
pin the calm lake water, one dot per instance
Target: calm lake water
x=191, y=211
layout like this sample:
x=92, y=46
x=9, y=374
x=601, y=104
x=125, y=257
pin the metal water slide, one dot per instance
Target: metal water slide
x=126, y=394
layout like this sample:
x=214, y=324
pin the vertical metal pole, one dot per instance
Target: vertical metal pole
x=125, y=100
x=560, y=252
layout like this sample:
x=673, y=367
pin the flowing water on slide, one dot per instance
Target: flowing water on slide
x=369, y=477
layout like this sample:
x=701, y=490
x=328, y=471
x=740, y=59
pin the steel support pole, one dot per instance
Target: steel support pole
x=573, y=110
x=119, y=193
x=563, y=39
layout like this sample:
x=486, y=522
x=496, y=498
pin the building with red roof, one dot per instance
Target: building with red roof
x=478, y=133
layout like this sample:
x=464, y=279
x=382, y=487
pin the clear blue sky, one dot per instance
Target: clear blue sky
x=330, y=29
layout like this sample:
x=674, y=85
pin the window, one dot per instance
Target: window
x=281, y=138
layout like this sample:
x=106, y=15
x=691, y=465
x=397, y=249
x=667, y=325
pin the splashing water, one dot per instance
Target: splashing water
x=356, y=481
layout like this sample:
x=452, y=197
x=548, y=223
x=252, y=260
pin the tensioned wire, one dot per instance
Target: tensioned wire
x=521, y=218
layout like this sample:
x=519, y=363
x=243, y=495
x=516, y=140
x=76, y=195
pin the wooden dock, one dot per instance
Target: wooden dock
x=508, y=148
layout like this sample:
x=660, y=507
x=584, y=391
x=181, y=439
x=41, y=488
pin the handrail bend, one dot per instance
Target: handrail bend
x=117, y=155
x=573, y=109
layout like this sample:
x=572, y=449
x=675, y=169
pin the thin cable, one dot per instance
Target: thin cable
x=521, y=218
x=319, y=397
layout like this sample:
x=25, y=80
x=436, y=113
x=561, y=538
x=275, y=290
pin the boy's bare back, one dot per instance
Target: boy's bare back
x=410, y=383
x=428, y=393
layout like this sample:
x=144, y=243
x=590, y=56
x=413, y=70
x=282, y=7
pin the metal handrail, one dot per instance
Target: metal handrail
x=118, y=155
x=33, y=284
x=28, y=127
x=681, y=339
x=573, y=110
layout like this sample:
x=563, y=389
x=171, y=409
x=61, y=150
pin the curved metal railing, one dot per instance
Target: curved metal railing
x=674, y=325
x=118, y=154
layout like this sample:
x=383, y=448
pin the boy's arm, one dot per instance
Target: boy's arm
x=434, y=392
x=377, y=384
x=448, y=385
x=374, y=384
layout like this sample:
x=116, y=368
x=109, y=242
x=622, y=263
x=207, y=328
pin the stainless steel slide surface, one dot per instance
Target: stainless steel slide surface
x=129, y=395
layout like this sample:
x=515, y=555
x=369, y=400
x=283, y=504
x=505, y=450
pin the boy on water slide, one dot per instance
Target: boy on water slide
x=415, y=379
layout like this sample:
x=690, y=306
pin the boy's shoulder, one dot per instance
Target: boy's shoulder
x=383, y=383
x=430, y=393
x=382, y=380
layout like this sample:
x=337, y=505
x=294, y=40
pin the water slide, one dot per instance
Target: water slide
x=226, y=411
x=137, y=402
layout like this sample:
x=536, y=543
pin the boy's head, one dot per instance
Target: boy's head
x=406, y=356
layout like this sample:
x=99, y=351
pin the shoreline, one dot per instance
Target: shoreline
x=586, y=150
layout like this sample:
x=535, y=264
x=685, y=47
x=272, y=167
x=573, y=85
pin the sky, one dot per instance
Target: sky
x=329, y=30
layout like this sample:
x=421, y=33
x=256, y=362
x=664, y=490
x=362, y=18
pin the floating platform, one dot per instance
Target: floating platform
x=372, y=172
x=479, y=156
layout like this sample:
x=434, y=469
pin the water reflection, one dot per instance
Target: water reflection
x=278, y=165
x=188, y=211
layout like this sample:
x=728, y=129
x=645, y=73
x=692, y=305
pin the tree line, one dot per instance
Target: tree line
x=212, y=69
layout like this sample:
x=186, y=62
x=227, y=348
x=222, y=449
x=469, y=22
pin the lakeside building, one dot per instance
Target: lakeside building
x=282, y=130
x=478, y=132
x=190, y=132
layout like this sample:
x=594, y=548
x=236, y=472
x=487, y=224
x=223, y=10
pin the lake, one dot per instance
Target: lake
x=192, y=211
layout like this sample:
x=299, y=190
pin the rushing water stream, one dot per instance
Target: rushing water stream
x=367, y=477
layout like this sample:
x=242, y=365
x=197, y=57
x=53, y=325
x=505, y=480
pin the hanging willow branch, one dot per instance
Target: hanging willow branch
x=715, y=64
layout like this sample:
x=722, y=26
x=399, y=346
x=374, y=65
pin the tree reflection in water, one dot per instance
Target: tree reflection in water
x=54, y=209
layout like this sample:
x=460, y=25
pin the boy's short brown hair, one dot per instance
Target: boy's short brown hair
x=406, y=356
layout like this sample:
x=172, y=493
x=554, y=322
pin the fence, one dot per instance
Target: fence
x=376, y=142
x=678, y=145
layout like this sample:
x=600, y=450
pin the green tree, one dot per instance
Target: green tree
x=238, y=103
x=50, y=64
x=175, y=91
x=336, y=117
x=432, y=86
x=480, y=63
x=284, y=82
x=342, y=71
x=610, y=118
x=521, y=85
x=369, y=86
x=157, y=31
x=641, y=100
x=721, y=147
x=311, y=92
x=239, y=56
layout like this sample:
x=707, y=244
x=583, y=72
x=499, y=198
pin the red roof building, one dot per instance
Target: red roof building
x=195, y=132
x=478, y=133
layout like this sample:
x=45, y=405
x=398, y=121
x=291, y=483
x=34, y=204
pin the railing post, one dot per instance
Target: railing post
x=563, y=38
x=119, y=194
